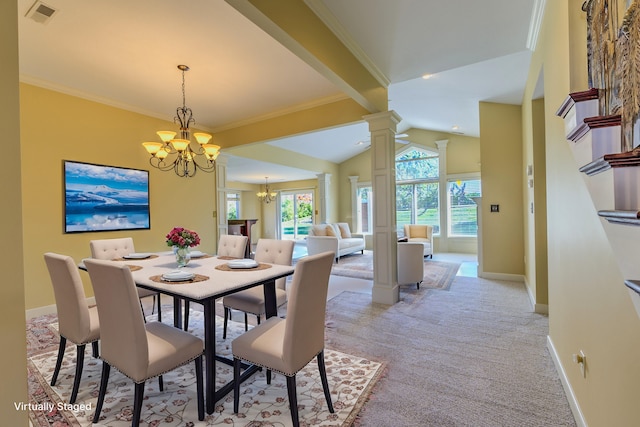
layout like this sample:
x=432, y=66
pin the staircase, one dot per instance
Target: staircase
x=612, y=176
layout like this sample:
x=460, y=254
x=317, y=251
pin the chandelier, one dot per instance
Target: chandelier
x=179, y=154
x=267, y=196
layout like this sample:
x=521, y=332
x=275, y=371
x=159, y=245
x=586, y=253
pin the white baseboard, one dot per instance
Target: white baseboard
x=50, y=309
x=537, y=308
x=502, y=276
x=568, y=391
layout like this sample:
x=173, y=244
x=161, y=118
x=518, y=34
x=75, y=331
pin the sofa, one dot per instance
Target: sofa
x=421, y=234
x=335, y=237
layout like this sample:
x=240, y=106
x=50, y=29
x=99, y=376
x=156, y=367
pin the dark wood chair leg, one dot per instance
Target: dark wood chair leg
x=258, y=318
x=137, y=404
x=96, y=351
x=227, y=314
x=199, y=388
x=56, y=371
x=246, y=322
x=104, y=380
x=323, y=378
x=236, y=385
x=76, y=381
x=268, y=376
x=159, y=307
x=144, y=316
x=293, y=400
x=160, y=383
x=186, y=315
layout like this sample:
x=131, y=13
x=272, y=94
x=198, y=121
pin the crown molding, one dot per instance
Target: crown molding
x=535, y=24
x=329, y=19
x=45, y=84
x=282, y=112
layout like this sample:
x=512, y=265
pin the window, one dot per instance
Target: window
x=417, y=189
x=365, y=209
x=233, y=205
x=461, y=209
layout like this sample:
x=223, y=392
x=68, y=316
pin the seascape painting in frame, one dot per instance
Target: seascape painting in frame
x=105, y=198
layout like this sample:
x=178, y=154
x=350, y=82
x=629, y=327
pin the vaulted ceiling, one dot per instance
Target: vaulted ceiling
x=125, y=54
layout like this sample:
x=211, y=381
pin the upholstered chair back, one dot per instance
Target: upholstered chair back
x=122, y=335
x=74, y=319
x=304, y=330
x=232, y=245
x=111, y=248
x=275, y=252
x=418, y=230
x=410, y=263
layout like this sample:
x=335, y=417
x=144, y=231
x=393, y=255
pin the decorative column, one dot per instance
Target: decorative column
x=324, y=179
x=478, y=201
x=443, y=240
x=383, y=178
x=220, y=213
x=354, y=202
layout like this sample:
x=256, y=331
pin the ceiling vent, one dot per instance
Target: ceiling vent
x=41, y=12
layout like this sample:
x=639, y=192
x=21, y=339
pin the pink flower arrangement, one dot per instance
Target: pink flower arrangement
x=182, y=238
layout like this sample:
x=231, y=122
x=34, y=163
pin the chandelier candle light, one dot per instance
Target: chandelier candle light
x=178, y=153
x=267, y=196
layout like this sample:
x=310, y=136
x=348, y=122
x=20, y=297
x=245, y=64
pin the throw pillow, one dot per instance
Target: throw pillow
x=345, y=232
x=331, y=231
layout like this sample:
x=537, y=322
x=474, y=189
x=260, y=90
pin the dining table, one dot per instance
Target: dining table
x=213, y=278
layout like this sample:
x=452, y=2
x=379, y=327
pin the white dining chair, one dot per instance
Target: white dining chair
x=77, y=322
x=139, y=350
x=288, y=345
x=110, y=249
x=252, y=300
x=229, y=245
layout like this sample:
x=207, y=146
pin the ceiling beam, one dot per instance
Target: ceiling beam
x=300, y=30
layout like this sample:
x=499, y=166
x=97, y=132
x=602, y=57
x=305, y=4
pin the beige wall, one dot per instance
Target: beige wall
x=14, y=362
x=57, y=127
x=589, y=307
x=502, y=174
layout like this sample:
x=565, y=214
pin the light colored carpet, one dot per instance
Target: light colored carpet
x=350, y=380
x=437, y=274
x=473, y=356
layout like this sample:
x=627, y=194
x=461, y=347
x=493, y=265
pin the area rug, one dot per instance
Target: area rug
x=350, y=380
x=437, y=274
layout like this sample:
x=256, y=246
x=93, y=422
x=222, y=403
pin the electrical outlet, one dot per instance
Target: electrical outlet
x=581, y=360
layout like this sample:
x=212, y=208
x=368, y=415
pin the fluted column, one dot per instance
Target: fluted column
x=383, y=178
x=443, y=240
x=221, y=195
x=324, y=179
x=354, y=202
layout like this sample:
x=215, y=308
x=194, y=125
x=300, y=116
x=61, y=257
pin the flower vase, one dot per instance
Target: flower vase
x=183, y=256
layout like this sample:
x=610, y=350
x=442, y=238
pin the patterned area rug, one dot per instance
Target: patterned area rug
x=437, y=274
x=350, y=380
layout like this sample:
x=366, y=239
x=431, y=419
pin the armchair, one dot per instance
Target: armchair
x=422, y=234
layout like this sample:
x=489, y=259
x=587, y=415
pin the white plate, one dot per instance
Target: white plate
x=243, y=263
x=197, y=254
x=137, y=255
x=177, y=276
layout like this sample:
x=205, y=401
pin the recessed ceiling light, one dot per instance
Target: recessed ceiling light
x=360, y=143
x=455, y=127
x=427, y=76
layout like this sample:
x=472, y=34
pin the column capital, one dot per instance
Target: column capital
x=384, y=120
x=442, y=144
x=353, y=178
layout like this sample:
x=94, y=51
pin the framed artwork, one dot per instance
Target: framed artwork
x=105, y=198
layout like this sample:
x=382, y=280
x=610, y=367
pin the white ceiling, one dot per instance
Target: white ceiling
x=125, y=53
